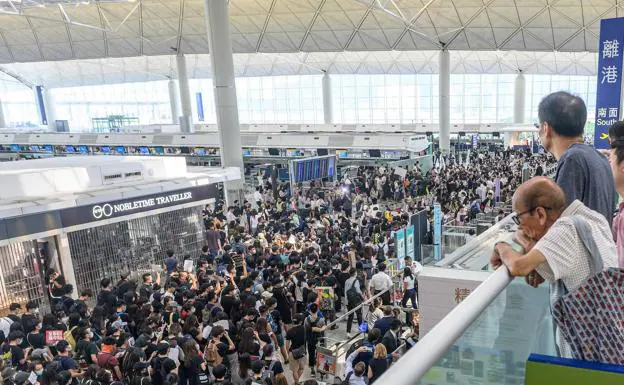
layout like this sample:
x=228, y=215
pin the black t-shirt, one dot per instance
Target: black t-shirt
x=58, y=291
x=17, y=354
x=36, y=340
x=227, y=301
x=107, y=299
x=85, y=349
x=29, y=321
x=378, y=366
x=296, y=336
x=161, y=366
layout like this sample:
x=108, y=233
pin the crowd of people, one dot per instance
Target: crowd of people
x=249, y=307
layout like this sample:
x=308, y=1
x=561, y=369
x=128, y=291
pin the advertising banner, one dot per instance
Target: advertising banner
x=543, y=370
x=437, y=231
x=409, y=242
x=609, y=90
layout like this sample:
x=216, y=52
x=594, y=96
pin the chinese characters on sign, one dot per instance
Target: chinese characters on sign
x=461, y=294
x=608, y=92
x=53, y=336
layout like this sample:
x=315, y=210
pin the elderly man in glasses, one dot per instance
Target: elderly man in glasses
x=553, y=246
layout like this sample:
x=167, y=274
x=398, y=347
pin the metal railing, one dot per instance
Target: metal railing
x=425, y=354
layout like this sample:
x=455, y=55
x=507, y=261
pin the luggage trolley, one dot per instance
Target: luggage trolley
x=327, y=353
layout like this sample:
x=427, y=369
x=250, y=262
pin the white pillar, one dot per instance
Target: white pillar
x=50, y=108
x=64, y=256
x=445, y=105
x=3, y=123
x=174, y=97
x=186, y=120
x=226, y=107
x=519, y=98
x=327, y=99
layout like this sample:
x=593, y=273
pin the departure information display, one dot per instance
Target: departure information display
x=308, y=169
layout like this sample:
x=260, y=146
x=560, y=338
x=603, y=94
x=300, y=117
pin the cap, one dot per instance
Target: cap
x=15, y=306
x=125, y=275
x=20, y=377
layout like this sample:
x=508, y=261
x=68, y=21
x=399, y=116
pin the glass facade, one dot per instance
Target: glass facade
x=356, y=99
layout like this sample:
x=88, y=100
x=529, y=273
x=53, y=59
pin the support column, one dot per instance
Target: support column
x=186, y=121
x=445, y=101
x=3, y=123
x=50, y=108
x=66, y=262
x=327, y=99
x=174, y=102
x=519, y=98
x=226, y=107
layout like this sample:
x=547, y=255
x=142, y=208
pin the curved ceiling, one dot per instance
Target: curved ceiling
x=42, y=30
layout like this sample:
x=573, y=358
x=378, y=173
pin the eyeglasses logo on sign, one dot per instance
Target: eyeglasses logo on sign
x=107, y=210
x=102, y=211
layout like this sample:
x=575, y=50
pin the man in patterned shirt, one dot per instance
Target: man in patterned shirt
x=554, y=249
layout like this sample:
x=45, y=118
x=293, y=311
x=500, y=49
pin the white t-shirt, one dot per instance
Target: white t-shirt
x=409, y=281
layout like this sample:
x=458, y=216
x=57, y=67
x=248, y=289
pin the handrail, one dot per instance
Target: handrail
x=428, y=351
x=368, y=301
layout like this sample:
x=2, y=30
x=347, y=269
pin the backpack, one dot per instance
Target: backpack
x=353, y=297
x=202, y=378
x=159, y=367
x=5, y=328
x=346, y=380
x=211, y=354
x=269, y=375
x=68, y=336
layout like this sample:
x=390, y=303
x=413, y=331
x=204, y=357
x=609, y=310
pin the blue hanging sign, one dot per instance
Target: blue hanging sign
x=437, y=231
x=609, y=90
x=200, y=106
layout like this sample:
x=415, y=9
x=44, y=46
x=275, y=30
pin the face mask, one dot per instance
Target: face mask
x=90, y=334
x=65, y=319
x=39, y=372
x=36, y=311
x=39, y=326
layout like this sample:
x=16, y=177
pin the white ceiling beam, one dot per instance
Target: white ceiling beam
x=311, y=24
x=180, y=26
x=369, y=9
x=141, y=27
x=412, y=21
x=8, y=47
x=32, y=29
x=103, y=28
x=17, y=77
x=468, y=22
x=265, y=25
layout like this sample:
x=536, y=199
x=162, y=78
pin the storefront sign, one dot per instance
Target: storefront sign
x=608, y=92
x=113, y=209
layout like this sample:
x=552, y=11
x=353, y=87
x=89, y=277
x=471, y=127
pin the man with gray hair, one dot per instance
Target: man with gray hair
x=557, y=240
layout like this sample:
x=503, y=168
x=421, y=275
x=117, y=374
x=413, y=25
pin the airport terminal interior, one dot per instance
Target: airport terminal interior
x=311, y=192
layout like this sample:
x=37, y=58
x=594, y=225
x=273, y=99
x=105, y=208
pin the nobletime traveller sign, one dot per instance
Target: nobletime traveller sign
x=113, y=209
x=609, y=89
x=108, y=210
